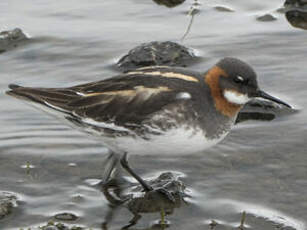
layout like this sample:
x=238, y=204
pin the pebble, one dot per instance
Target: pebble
x=266, y=18
x=66, y=216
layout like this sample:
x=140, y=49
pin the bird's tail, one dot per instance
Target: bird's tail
x=54, y=98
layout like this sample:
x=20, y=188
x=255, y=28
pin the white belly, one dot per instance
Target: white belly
x=177, y=141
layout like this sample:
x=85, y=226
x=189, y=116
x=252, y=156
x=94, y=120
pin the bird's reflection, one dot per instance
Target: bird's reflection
x=161, y=194
x=169, y=3
x=296, y=13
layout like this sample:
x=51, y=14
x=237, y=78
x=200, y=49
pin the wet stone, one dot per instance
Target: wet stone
x=7, y=203
x=78, y=198
x=223, y=9
x=59, y=226
x=50, y=228
x=157, y=53
x=11, y=39
x=296, y=13
x=213, y=224
x=281, y=10
x=169, y=3
x=168, y=193
x=266, y=18
x=65, y=216
x=263, y=110
x=138, y=201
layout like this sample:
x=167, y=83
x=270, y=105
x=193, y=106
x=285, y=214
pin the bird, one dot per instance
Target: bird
x=156, y=109
x=153, y=110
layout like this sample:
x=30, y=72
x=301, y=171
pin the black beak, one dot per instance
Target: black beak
x=264, y=95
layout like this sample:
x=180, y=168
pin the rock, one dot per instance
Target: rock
x=7, y=202
x=266, y=18
x=65, y=216
x=263, y=110
x=252, y=221
x=167, y=192
x=296, y=13
x=281, y=10
x=213, y=224
x=52, y=227
x=169, y=3
x=11, y=39
x=223, y=9
x=156, y=53
x=58, y=226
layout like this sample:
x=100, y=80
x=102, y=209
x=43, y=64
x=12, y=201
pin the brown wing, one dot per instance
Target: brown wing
x=120, y=106
x=128, y=98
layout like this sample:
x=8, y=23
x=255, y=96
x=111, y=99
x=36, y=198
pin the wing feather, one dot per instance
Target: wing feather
x=122, y=99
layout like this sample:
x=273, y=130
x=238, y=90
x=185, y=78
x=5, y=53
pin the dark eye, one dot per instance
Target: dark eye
x=239, y=80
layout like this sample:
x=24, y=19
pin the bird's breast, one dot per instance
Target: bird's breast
x=179, y=141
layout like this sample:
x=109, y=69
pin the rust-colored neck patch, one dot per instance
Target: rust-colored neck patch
x=221, y=104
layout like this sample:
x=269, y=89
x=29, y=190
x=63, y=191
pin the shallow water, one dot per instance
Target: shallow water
x=260, y=168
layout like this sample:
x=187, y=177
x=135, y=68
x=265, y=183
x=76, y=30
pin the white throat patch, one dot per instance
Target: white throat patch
x=236, y=97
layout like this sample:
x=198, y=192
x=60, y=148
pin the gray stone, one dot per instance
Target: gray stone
x=167, y=192
x=66, y=216
x=223, y=9
x=266, y=18
x=156, y=53
x=7, y=202
x=11, y=39
x=58, y=226
x=280, y=10
x=169, y=3
x=296, y=13
x=50, y=227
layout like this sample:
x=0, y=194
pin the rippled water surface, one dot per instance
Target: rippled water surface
x=260, y=168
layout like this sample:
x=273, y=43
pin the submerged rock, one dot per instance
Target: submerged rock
x=266, y=18
x=162, y=194
x=168, y=194
x=156, y=53
x=7, y=203
x=223, y=9
x=58, y=226
x=262, y=110
x=11, y=39
x=169, y=3
x=296, y=13
x=66, y=216
x=281, y=10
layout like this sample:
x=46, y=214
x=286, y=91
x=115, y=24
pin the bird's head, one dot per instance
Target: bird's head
x=238, y=82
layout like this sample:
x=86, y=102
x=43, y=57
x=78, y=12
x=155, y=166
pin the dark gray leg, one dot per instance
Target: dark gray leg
x=111, y=182
x=133, y=221
x=109, y=216
x=146, y=186
x=125, y=164
x=110, y=167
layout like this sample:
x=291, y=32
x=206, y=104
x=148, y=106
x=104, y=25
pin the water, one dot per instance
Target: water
x=260, y=168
